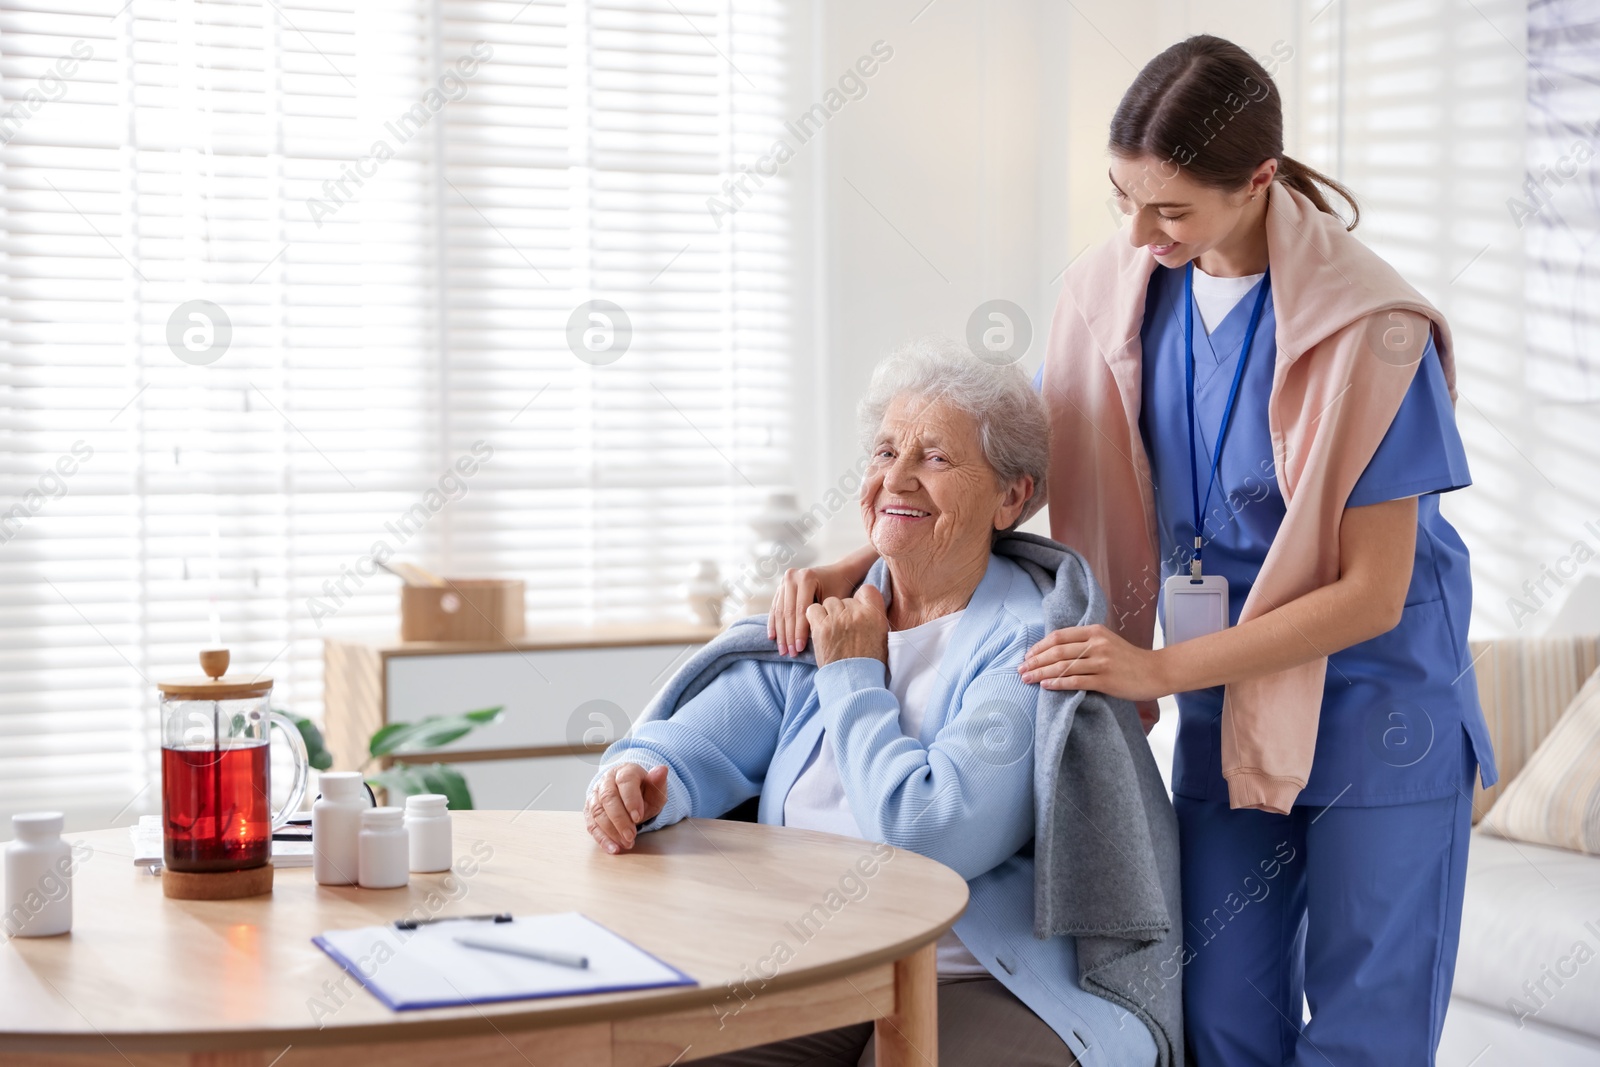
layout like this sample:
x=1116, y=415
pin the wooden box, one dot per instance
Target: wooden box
x=463, y=609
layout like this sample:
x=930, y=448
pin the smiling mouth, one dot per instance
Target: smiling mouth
x=906, y=513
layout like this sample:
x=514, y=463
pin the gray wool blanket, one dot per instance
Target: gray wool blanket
x=1106, y=837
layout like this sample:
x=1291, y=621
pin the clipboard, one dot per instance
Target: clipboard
x=409, y=970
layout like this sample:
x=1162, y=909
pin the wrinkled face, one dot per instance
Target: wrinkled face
x=1173, y=216
x=929, y=492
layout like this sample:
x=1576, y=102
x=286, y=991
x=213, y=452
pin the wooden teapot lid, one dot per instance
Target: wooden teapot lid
x=214, y=661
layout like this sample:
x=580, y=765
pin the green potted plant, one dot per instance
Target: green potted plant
x=402, y=778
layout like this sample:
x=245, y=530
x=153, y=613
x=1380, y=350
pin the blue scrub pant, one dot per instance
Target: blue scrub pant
x=1359, y=908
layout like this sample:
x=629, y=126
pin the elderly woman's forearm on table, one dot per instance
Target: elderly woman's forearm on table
x=716, y=749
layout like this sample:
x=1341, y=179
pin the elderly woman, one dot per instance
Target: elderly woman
x=870, y=742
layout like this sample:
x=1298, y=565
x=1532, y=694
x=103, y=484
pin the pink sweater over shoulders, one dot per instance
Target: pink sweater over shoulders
x=1350, y=335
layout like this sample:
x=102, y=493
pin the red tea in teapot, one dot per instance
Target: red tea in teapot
x=215, y=807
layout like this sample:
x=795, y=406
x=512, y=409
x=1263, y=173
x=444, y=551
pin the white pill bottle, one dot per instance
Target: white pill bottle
x=336, y=826
x=428, y=823
x=384, y=849
x=38, y=877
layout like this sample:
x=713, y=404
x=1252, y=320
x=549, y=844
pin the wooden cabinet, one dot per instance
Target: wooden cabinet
x=566, y=693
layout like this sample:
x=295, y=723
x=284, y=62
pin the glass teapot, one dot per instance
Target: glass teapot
x=216, y=784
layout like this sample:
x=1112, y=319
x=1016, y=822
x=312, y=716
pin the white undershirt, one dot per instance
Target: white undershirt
x=817, y=801
x=1215, y=297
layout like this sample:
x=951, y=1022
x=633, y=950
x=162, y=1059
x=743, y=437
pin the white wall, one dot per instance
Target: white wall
x=975, y=168
x=936, y=193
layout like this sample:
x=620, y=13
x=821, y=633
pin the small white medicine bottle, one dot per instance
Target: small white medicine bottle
x=428, y=824
x=384, y=849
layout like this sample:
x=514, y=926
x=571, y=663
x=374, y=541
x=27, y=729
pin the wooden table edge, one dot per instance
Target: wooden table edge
x=397, y=1028
x=907, y=1031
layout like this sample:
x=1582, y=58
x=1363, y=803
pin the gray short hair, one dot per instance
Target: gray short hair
x=1012, y=421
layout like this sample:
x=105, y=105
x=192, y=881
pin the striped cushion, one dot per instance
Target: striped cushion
x=1525, y=684
x=1556, y=798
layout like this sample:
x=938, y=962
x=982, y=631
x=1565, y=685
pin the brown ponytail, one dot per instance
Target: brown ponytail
x=1305, y=180
x=1207, y=106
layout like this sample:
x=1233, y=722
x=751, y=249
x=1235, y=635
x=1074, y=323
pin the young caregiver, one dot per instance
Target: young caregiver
x=1253, y=419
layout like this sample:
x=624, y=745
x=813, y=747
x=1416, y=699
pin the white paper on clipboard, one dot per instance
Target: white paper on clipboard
x=426, y=968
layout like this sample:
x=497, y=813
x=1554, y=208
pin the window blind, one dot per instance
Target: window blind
x=1420, y=106
x=288, y=286
x=1558, y=207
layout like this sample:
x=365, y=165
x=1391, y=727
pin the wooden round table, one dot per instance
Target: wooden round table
x=787, y=932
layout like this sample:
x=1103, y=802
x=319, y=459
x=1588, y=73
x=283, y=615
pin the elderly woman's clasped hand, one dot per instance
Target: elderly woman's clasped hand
x=850, y=628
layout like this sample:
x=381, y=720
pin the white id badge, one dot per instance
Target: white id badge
x=1195, y=607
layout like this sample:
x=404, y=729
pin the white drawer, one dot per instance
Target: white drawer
x=551, y=697
x=548, y=783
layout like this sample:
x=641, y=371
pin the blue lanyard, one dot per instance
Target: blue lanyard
x=1227, y=412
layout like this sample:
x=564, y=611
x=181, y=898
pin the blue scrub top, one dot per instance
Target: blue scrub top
x=1394, y=707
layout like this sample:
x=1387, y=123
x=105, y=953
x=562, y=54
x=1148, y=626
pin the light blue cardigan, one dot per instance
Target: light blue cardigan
x=961, y=793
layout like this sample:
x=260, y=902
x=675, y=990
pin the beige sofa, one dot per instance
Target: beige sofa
x=1527, y=982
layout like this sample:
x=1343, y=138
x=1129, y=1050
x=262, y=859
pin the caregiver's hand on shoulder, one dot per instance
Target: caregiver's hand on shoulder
x=1093, y=657
x=625, y=796
x=800, y=589
x=804, y=586
x=855, y=627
